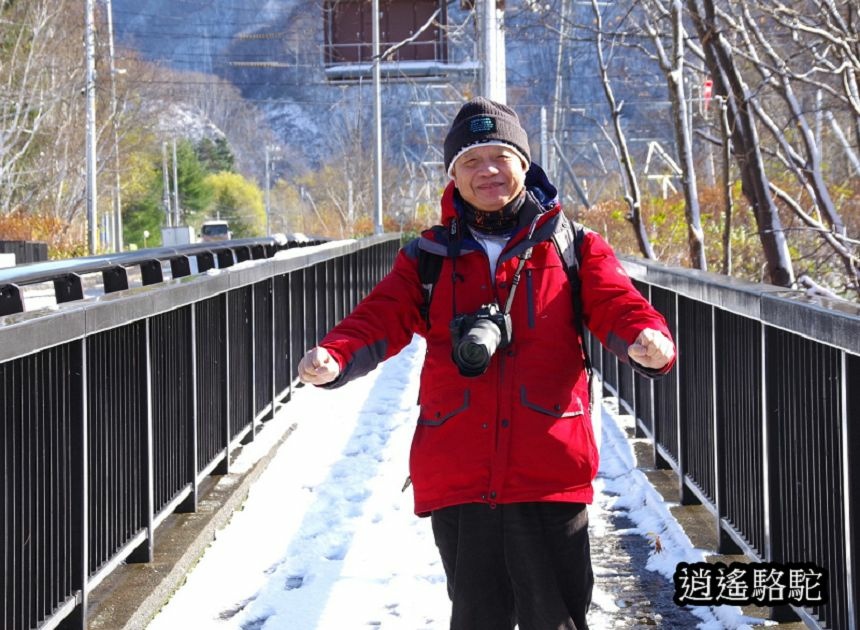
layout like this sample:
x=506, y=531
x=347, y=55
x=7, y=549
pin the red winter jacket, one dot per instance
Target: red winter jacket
x=521, y=431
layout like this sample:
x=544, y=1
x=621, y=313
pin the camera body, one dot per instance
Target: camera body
x=476, y=336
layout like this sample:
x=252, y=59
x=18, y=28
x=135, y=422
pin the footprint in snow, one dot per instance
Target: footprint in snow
x=293, y=582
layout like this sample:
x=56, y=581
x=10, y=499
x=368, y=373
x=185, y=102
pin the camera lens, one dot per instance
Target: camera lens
x=472, y=354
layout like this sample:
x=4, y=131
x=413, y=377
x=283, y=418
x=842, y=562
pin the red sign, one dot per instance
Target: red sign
x=707, y=92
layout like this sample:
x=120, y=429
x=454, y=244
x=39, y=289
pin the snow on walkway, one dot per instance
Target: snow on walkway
x=327, y=539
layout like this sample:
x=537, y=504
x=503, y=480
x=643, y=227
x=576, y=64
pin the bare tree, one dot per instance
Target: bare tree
x=26, y=97
x=729, y=83
x=804, y=161
x=633, y=196
x=672, y=64
x=728, y=210
x=829, y=30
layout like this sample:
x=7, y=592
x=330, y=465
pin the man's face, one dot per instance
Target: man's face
x=488, y=177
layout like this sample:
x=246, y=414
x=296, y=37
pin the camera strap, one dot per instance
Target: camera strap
x=515, y=281
x=568, y=242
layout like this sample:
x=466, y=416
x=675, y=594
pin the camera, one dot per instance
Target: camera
x=475, y=337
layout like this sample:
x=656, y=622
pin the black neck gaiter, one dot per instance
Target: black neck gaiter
x=501, y=221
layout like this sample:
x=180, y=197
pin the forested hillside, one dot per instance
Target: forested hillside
x=722, y=135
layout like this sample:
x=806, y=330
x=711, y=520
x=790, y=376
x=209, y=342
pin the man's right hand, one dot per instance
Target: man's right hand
x=318, y=367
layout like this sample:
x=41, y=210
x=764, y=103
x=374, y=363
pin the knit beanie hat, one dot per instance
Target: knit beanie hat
x=482, y=121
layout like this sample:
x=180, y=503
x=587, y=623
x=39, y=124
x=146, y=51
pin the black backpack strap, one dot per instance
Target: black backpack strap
x=429, y=268
x=430, y=264
x=568, y=239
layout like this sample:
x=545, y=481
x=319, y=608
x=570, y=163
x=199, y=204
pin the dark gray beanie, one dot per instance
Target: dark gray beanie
x=482, y=121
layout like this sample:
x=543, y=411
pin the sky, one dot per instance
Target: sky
x=327, y=538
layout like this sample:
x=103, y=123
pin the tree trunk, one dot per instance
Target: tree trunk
x=755, y=184
x=634, y=196
x=727, y=186
x=673, y=70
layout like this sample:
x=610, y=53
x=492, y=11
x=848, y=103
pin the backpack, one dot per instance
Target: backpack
x=568, y=243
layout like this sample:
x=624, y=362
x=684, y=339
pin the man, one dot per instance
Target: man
x=504, y=454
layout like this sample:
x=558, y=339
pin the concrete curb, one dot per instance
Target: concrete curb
x=134, y=593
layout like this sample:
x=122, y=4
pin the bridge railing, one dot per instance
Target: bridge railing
x=759, y=419
x=113, y=410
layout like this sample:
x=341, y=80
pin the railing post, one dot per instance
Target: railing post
x=773, y=523
x=79, y=500
x=658, y=390
x=205, y=261
x=330, y=300
x=274, y=359
x=11, y=301
x=252, y=357
x=686, y=495
x=180, y=266
x=353, y=280
x=190, y=504
x=725, y=543
x=850, y=440
x=320, y=299
x=293, y=328
x=342, y=309
x=308, y=282
x=223, y=467
x=638, y=383
x=144, y=552
x=115, y=279
x=68, y=288
x=151, y=272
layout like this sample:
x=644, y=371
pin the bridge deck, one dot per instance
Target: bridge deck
x=326, y=538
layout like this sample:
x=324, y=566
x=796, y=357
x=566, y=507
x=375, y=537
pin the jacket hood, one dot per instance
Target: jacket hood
x=536, y=182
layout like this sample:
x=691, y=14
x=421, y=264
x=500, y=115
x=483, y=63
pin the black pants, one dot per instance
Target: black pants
x=526, y=563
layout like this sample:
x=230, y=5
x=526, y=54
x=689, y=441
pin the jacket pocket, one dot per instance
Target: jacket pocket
x=438, y=411
x=557, y=410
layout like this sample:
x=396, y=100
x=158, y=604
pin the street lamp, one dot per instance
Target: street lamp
x=145, y=236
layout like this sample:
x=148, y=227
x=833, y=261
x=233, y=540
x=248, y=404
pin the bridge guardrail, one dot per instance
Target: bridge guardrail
x=758, y=419
x=113, y=410
x=67, y=275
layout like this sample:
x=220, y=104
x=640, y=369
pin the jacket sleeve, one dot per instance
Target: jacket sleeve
x=381, y=325
x=613, y=309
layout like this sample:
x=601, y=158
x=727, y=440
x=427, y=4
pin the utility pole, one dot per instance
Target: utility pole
x=176, y=215
x=377, y=122
x=117, y=199
x=90, y=39
x=544, y=139
x=165, y=197
x=269, y=150
x=494, y=84
x=350, y=206
x=268, y=187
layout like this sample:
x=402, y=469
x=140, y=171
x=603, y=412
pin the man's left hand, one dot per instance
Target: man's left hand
x=652, y=349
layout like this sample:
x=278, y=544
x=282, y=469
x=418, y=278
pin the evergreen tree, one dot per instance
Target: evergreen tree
x=143, y=207
x=194, y=194
x=216, y=156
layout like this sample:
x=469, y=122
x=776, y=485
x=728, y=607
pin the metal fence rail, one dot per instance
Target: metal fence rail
x=112, y=411
x=759, y=419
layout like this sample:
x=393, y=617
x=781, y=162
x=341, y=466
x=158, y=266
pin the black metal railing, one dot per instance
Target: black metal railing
x=113, y=411
x=758, y=419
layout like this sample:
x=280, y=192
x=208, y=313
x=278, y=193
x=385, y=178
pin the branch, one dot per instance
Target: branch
x=395, y=47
